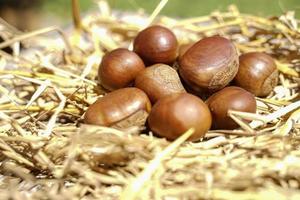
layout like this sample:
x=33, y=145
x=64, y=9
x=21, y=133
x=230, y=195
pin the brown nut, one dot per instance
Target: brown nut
x=229, y=98
x=158, y=81
x=156, y=44
x=183, y=48
x=257, y=73
x=119, y=68
x=121, y=109
x=172, y=115
x=210, y=64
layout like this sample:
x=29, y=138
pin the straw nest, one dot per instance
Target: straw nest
x=49, y=81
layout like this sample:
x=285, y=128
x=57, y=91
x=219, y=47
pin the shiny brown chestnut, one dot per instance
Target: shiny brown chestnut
x=257, y=73
x=156, y=44
x=172, y=115
x=119, y=68
x=158, y=81
x=121, y=108
x=229, y=98
x=210, y=64
x=183, y=48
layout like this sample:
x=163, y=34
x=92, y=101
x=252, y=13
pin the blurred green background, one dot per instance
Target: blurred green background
x=186, y=8
x=33, y=14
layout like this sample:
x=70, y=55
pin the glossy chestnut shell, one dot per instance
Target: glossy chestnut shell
x=172, y=115
x=156, y=44
x=257, y=73
x=158, y=81
x=210, y=64
x=119, y=68
x=229, y=98
x=121, y=108
x=183, y=48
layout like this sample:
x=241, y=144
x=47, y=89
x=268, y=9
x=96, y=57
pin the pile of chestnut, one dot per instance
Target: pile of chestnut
x=210, y=69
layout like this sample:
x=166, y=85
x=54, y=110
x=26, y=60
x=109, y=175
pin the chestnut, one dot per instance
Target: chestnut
x=257, y=73
x=156, y=44
x=121, y=108
x=210, y=64
x=119, y=68
x=174, y=114
x=158, y=81
x=183, y=48
x=229, y=98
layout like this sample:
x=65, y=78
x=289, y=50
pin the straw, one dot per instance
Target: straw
x=47, y=152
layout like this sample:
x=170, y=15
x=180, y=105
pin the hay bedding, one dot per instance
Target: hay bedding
x=46, y=152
